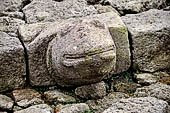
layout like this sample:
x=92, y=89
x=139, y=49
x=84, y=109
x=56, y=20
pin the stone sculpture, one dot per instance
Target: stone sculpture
x=76, y=51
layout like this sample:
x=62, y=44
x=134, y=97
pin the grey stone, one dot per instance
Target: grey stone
x=146, y=78
x=93, y=1
x=12, y=68
x=10, y=25
x=17, y=108
x=135, y=6
x=27, y=97
x=42, y=47
x=6, y=103
x=43, y=11
x=41, y=108
x=105, y=9
x=16, y=14
x=100, y=105
x=74, y=108
x=56, y=96
x=139, y=105
x=164, y=77
x=158, y=90
x=150, y=39
x=92, y=91
x=41, y=42
x=11, y=5
x=126, y=87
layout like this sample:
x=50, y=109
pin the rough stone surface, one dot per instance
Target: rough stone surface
x=92, y=91
x=146, y=78
x=150, y=39
x=139, y=105
x=43, y=41
x=18, y=15
x=6, y=103
x=104, y=9
x=10, y=25
x=43, y=11
x=164, y=77
x=100, y=105
x=135, y=6
x=56, y=96
x=12, y=68
x=74, y=108
x=17, y=108
x=158, y=90
x=41, y=108
x=27, y=97
x=11, y=5
x=126, y=87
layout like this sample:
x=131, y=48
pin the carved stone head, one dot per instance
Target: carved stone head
x=82, y=52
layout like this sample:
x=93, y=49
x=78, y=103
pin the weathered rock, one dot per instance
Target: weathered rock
x=27, y=97
x=139, y=105
x=146, y=78
x=10, y=25
x=135, y=6
x=150, y=39
x=158, y=90
x=105, y=9
x=93, y=1
x=101, y=104
x=11, y=5
x=164, y=77
x=43, y=49
x=18, y=15
x=92, y=91
x=74, y=108
x=16, y=108
x=126, y=87
x=41, y=108
x=12, y=68
x=6, y=103
x=56, y=96
x=43, y=11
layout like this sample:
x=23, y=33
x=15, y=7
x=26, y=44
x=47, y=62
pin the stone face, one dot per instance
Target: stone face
x=139, y=105
x=135, y=6
x=100, y=105
x=150, y=39
x=158, y=90
x=146, y=78
x=10, y=25
x=6, y=103
x=41, y=108
x=74, y=108
x=43, y=11
x=56, y=96
x=46, y=41
x=12, y=68
x=92, y=91
x=27, y=97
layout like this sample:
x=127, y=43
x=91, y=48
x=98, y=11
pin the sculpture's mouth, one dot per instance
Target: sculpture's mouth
x=89, y=58
x=87, y=54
